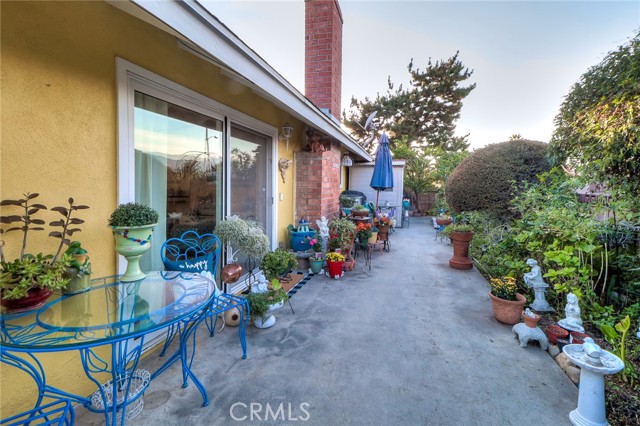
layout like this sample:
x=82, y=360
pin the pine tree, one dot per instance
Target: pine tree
x=425, y=113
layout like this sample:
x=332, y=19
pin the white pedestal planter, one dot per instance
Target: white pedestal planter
x=594, y=364
x=268, y=320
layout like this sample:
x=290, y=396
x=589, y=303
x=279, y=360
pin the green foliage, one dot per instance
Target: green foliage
x=22, y=275
x=342, y=232
x=457, y=227
x=133, y=214
x=426, y=112
x=29, y=271
x=598, y=126
x=487, y=179
x=346, y=202
x=617, y=337
x=259, y=303
x=278, y=263
x=243, y=236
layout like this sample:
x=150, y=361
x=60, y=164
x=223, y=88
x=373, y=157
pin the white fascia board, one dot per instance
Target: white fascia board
x=191, y=20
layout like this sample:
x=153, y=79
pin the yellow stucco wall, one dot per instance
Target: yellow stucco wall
x=58, y=130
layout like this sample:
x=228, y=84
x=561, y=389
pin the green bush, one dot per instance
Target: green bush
x=488, y=179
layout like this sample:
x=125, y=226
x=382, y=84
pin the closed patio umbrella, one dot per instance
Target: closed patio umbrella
x=383, y=168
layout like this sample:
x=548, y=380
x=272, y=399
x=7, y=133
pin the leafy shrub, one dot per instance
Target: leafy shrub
x=485, y=180
x=133, y=214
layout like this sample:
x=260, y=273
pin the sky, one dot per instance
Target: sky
x=525, y=55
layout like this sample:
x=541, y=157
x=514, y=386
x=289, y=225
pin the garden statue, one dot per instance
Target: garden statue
x=572, y=321
x=323, y=226
x=534, y=280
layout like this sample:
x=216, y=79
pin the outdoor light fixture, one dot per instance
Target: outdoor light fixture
x=287, y=130
x=347, y=161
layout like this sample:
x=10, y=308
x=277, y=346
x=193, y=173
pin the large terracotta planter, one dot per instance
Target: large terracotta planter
x=461, y=242
x=508, y=311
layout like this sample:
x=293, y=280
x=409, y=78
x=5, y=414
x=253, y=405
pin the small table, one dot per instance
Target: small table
x=111, y=313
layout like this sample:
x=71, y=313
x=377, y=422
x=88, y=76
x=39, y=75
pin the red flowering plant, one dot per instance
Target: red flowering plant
x=364, y=231
x=383, y=219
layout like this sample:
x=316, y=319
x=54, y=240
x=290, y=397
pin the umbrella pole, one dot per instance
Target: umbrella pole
x=377, y=199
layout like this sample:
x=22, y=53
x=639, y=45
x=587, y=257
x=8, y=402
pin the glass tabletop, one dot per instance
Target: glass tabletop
x=110, y=310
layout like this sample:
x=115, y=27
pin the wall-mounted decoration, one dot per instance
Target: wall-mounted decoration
x=283, y=165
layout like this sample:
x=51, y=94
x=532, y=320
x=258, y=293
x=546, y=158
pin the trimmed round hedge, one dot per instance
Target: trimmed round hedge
x=484, y=180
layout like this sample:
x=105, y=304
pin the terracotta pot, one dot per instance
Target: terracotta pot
x=555, y=332
x=460, y=258
x=34, y=299
x=508, y=311
x=577, y=338
x=359, y=213
x=531, y=321
x=335, y=268
x=444, y=222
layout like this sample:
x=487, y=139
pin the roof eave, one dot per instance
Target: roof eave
x=190, y=21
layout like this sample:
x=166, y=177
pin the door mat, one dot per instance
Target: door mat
x=294, y=281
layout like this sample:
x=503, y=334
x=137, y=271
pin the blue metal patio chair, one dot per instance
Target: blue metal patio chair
x=57, y=413
x=193, y=252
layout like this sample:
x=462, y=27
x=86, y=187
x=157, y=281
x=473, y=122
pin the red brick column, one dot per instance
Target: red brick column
x=323, y=54
x=317, y=184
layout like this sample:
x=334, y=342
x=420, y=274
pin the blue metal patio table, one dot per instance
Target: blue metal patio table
x=117, y=316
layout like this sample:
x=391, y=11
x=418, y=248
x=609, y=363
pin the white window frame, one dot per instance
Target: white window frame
x=131, y=78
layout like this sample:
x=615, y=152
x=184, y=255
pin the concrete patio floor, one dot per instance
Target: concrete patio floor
x=411, y=342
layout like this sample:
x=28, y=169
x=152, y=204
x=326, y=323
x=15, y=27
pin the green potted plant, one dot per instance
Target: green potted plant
x=262, y=305
x=506, y=302
x=346, y=203
x=278, y=263
x=342, y=231
x=460, y=235
x=29, y=279
x=132, y=225
x=359, y=210
x=79, y=271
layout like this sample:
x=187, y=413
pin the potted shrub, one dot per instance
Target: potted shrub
x=383, y=223
x=507, y=303
x=443, y=219
x=335, y=263
x=278, y=263
x=28, y=280
x=359, y=210
x=342, y=235
x=79, y=270
x=346, y=203
x=461, y=235
x=132, y=226
x=262, y=305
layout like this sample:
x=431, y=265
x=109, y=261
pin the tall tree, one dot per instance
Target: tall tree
x=426, y=112
x=598, y=126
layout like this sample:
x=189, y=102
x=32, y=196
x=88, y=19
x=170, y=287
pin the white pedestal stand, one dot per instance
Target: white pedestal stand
x=591, y=408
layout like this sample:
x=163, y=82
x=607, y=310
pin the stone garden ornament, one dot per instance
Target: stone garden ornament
x=525, y=333
x=534, y=280
x=572, y=321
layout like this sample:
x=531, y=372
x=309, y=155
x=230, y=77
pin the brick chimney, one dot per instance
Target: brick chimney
x=323, y=54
